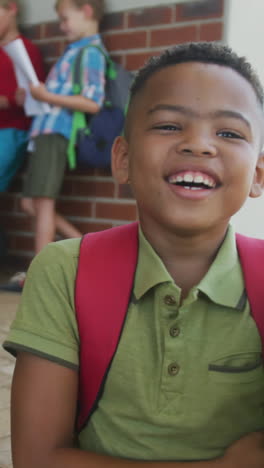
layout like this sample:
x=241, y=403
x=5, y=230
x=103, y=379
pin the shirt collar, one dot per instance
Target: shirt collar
x=150, y=268
x=223, y=283
x=95, y=39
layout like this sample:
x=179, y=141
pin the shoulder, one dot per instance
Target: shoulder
x=69, y=246
x=94, y=60
x=95, y=50
x=56, y=264
x=30, y=46
x=45, y=322
x=62, y=253
x=51, y=278
x=4, y=57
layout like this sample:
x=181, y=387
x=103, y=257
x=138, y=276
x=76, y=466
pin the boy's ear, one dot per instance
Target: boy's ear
x=120, y=162
x=13, y=7
x=257, y=187
x=88, y=11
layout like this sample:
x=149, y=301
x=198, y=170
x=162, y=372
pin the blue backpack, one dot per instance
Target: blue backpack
x=92, y=135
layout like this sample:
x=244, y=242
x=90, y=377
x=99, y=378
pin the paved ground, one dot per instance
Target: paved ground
x=8, y=304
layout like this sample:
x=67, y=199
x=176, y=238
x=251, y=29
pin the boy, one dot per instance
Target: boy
x=186, y=385
x=79, y=20
x=13, y=122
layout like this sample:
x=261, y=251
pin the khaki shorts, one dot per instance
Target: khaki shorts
x=46, y=167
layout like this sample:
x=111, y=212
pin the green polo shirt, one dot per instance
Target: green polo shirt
x=186, y=381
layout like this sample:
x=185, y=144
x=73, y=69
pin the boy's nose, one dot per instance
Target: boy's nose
x=198, y=146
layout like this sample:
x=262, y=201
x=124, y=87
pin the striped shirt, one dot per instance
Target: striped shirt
x=60, y=81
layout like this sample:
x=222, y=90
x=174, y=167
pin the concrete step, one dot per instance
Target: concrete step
x=8, y=306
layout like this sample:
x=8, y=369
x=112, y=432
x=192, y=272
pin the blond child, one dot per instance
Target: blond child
x=79, y=20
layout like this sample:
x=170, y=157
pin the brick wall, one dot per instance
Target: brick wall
x=92, y=200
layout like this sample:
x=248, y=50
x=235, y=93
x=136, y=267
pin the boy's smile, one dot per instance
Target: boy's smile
x=196, y=183
x=193, y=141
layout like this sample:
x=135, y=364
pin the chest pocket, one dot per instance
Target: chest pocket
x=237, y=368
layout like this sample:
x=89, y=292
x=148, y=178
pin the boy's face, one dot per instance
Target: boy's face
x=73, y=20
x=7, y=19
x=191, y=154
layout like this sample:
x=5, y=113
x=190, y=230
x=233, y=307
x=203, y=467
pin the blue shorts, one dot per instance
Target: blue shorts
x=13, y=145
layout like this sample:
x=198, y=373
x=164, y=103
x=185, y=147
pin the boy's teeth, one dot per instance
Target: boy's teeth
x=198, y=179
x=179, y=178
x=188, y=178
x=192, y=178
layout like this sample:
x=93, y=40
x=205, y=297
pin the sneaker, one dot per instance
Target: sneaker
x=15, y=284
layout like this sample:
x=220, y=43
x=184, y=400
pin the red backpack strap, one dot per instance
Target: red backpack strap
x=104, y=282
x=251, y=253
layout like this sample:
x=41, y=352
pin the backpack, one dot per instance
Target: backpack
x=103, y=253
x=92, y=135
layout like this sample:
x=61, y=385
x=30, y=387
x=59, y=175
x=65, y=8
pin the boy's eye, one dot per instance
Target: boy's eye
x=167, y=127
x=230, y=134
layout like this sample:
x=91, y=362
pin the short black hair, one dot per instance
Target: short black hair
x=203, y=52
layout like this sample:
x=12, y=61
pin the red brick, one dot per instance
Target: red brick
x=92, y=188
x=118, y=59
x=211, y=32
x=130, y=40
x=124, y=191
x=102, y=172
x=136, y=61
x=33, y=32
x=11, y=241
x=67, y=187
x=74, y=208
x=16, y=223
x=150, y=17
x=87, y=188
x=200, y=9
x=80, y=171
x=25, y=243
x=18, y=263
x=116, y=211
x=52, y=29
x=85, y=227
x=52, y=48
x=7, y=203
x=172, y=36
x=113, y=21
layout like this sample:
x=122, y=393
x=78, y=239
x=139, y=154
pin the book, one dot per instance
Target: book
x=25, y=74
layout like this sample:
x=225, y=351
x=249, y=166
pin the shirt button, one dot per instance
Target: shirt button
x=174, y=332
x=169, y=300
x=173, y=368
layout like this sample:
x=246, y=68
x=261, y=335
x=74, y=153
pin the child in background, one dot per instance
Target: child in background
x=14, y=124
x=79, y=20
x=185, y=388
